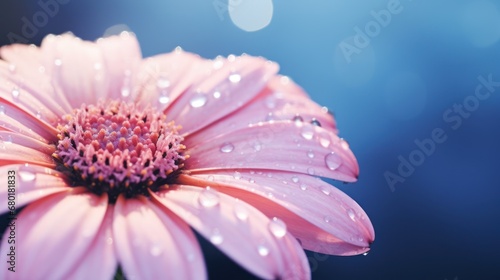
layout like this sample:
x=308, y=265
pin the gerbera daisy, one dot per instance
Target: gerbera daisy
x=117, y=159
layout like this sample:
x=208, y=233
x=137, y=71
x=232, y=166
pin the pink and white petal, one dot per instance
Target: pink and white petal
x=16, y=119
x=161, y=79
x=236, y=228
x=236, y=82
x=121, y=56
x=31, y=183
x=280, y=100
x=282, y=145
x=100, y=261
x=324, y=218
x=11, y=153
x=153, y=245
x=29, y=96
x=86, y=71
x=53, y=233
x=27, y=142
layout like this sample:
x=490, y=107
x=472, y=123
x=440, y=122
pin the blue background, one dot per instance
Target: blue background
x=443, y=221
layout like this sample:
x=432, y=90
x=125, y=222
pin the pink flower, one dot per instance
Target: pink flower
x=116, y=157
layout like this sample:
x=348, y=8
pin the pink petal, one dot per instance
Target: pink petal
x=14, y=118
x=238, y=81
x=154, y=244
x=282, y=99
x=237, y=229
x=87, y=71
x=27, y=142
x=31, y=183
x=280, y=145
x=163, y=78
x=13, y=153
x=325, y=219
x=100, y=261
x=53, y=234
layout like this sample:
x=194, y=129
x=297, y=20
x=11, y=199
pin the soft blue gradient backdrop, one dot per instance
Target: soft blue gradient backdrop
x=442, y=222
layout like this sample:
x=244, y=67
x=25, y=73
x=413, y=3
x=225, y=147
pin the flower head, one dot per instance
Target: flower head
x=115, y=157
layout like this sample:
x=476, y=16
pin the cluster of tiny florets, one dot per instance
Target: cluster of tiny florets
x=116, y=148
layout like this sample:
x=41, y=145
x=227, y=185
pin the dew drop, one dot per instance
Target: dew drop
x=217, y=94
x=295, y=179
x=310, y=171
x=210, y=178
x=15, y=93
x=333, y=161
x=39, y=114
x=164, y=99
x=351, y=214
x=324, y=140
x=263, y=250
x=257, y=146
x=235, y=78
x=26, y=173
x=162, y=83
x=344, y=144
x=109, y=240
x=2, y=110
x=237, y=175
x=58, y=62
x=277, y=227
x=155, y=250
x=270, y=102
x=241, y=212
x=315, y=122
x=326, y=190
x=307, y=132
x=227, y=148
x=365, y=254
x=125, y=91
x=216, y=238
x=310, y=154
x=303, y=187
x=208, y=198
x=8, y=140
x=327, y=219
x=198, y=100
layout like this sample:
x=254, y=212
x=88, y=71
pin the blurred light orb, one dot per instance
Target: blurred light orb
x=250, y=15
x=482, y=23
x=116, y=30
x=354, y=68
x=405, y=95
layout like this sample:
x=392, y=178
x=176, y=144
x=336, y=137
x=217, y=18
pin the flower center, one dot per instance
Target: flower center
x=115, y=148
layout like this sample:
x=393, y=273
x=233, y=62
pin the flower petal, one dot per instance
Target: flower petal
x=237, y=81
x=163, y=78
x=53, y=233
x=31, y=183
x=87, y=71
x=237, y=229
x=152, y=245
x=325, y=219
x=282, y=99
x=283, y=145
x=100, y=261
x=13, y=153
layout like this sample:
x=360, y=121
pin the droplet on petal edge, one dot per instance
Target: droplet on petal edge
x=333, y=161
x=208, y=198
x=277, y=227
x=227, y=148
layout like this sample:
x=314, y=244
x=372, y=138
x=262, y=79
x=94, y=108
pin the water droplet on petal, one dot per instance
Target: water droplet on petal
x=155, y=250
x=125, y=91
x=326, y=190
x=295, y=179
x=324, y=140
x=208, y=198
x=298, y=120
x=263, y=250
x=241, y=212
x=315, y=122
x=327, y=219
x=351, y=214
x=307, y=132
x=237, y=175
x=216, y=238
x=303, y=187
x=164, y=99
x=58, y=62
x=2, y=110
x=217, y=94
x=162, y=83
x=210, y=178
x=15, y=93
x=277, y=227
x=310, y=171
x=235, y=78
x=109, y=240
x=227, y=148
x=310, y=154
x=257, y=146
x=344, y=144
x=198, y=100
x=26, y=173
x=333, y=161
x=8, y=140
